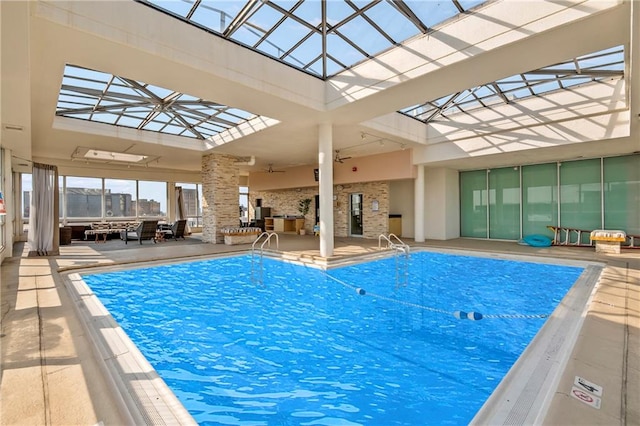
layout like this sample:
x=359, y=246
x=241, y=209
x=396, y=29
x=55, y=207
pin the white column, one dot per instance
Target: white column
x=419, y=213
x=325, y=165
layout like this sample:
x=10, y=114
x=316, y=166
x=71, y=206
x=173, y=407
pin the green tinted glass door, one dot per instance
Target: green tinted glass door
x=622, y=194
x=504, y=203
x=473, y=204
x=539, y=199
x=580, y=196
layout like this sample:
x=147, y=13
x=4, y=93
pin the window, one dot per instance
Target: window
x=152, y=199
x=192, y=195
x=244, y=205
x=83, y=197
x=119, y=198
x=26, y=195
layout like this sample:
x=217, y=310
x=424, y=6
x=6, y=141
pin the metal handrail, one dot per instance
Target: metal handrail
x=267, y=240
x=402, y=270
x=400, y=245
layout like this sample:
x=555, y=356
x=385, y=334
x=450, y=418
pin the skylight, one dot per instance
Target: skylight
x=319, y=37
x=607, y=64
x=100, y=97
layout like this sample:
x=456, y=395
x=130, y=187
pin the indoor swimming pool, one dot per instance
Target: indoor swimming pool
x=423, y=339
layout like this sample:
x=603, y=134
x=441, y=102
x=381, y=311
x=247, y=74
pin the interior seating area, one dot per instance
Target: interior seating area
x=146, y=230
x=175, y=231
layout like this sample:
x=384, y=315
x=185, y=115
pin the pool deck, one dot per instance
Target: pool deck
x=50, y=374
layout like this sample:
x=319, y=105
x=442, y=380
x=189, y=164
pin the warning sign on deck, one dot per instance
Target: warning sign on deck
x=586, y=397
x=584, y=384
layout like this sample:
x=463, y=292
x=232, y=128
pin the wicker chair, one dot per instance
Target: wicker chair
x=145, y=231
x=177, y=230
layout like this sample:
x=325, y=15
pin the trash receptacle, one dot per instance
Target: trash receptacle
x=65, y=235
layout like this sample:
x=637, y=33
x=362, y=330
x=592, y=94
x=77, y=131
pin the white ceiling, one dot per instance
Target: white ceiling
x=39, y=38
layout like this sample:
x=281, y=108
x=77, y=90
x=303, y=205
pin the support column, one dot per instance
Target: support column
x=220, y=177
x=419, y=212
x=325, y=188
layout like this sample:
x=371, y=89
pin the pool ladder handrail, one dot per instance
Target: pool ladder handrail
x=260, y=268
x=399, y=245
x=402, y=264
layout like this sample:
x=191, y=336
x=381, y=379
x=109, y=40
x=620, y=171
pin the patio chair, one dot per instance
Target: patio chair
x=145, y=231
x=177, y=230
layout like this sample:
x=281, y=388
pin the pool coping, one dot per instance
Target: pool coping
x=144, y=397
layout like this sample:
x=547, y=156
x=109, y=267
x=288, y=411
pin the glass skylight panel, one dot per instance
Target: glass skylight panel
x=280, y=28
x=104, y=118
x=598, y=66
x=209, y=15
x=370, y=39
x=432, y=13
x=180, y=8
x=392, y=22
x=342, y=52
x=123, y=102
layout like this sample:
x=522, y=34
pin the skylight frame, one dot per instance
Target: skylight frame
x=104, y=98
x=246, y=24
x=595, y=67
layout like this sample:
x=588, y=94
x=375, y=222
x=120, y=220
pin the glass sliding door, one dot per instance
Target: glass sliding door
x=539, y=198
x=581, y=196
x=473, y=204
x=355, y=223
x=504, y=203
x=622, y=194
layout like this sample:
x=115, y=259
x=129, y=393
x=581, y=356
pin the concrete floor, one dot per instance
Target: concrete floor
x=51, y=376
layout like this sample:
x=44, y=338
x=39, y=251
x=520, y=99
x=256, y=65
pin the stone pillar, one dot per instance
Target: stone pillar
x=220, y=205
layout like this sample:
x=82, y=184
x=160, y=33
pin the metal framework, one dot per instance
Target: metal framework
x=105, y=98
x=601, y=66
x=319, y=37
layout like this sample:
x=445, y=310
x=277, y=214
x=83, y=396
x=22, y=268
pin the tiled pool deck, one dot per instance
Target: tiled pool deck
x=50, y=375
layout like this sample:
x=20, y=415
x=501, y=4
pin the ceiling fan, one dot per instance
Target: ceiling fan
x=270, y=169
x=338, y=158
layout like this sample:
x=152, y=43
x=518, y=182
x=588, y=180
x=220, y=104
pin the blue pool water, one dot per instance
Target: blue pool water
x=353, y=345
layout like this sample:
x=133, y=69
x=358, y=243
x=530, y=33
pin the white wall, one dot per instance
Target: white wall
x=401, y=202
x=442, y=205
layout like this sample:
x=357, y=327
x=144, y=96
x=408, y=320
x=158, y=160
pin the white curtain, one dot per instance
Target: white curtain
x=41, y=209
x=181, y=209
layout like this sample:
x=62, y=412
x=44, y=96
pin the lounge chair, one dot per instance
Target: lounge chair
x=177, y=230
x=145, y=231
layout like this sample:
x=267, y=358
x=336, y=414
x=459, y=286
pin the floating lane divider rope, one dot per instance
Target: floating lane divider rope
x=473, y=316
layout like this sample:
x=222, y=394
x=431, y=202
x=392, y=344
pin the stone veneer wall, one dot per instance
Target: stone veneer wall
x=220, y=208
x=374, y=223
x=286, y=203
